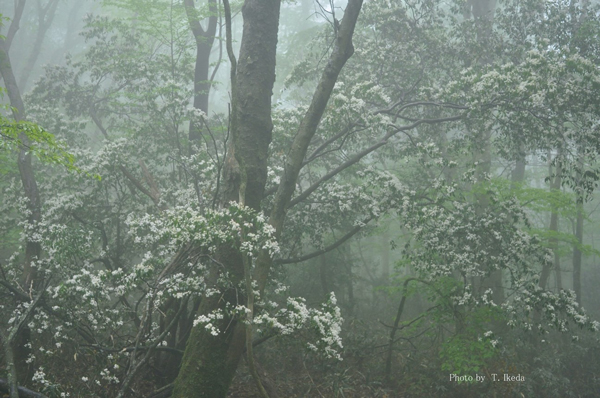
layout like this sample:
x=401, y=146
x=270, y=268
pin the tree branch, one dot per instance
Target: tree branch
x=139, y=185
x=333, y=246
x=342, y=51
x=23, y=392
x=14, y=25
x=324, y=145
x=358, y=156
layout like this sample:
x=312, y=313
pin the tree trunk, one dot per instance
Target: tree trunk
x=577, y=255
x=45, y=18
x=204, y=42
x=32, y=248
x=210, y=361
x=578, y=226
x=323, y=275
x=553, y=228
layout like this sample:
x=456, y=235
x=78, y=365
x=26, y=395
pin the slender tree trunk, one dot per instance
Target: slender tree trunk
x=30, y=188
x=323, y=275
x=45, y=18
x=385, y=256
x=74, y=22
x=556, y=182
x=518, y=174
x=577, y=255
x=32, y=249
x=204, y=41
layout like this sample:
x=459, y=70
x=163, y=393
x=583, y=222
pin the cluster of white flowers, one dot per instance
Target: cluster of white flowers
x=326, y=322
x=208, y=229
x=209, y=321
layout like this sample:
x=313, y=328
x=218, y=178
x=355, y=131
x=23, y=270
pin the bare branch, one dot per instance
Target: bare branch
x=138, y=184
x=358, y=156
x=324, y=145
x=154, y=190
x=229, y=39
x=329, y=248
x=389, y=109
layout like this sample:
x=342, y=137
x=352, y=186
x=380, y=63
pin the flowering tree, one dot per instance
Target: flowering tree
x=171, y=257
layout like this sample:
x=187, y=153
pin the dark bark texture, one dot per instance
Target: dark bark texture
x=210, y=361
x=204, y=41
x=254, y=87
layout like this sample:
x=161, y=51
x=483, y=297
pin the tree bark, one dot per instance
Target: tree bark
x=204, y=42
x=210, y=361
x=14, y=25
x=577, y=255
x=32, y=249
x=553, y=228
x=24, y=162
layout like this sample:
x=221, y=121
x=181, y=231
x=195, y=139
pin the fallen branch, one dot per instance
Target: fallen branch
x=23, y=392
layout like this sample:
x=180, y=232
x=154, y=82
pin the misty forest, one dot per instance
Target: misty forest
x=299, y=198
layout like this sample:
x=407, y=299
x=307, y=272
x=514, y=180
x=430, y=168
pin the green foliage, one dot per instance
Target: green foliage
x=463, y=355
x=32, y=137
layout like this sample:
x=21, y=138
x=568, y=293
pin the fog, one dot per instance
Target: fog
x=299, y=198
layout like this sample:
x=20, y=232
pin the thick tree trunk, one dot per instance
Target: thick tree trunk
x=255, y=78
x=210, y=361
